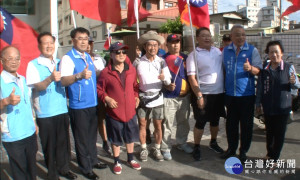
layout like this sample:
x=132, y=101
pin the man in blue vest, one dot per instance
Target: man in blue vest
x=241, y=63
x=17, y=125
x=50, y=106
x=79, y=75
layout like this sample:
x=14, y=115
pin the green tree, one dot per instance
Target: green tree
x=172, y=26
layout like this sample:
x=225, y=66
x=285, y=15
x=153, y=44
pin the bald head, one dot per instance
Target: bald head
x=10, y=59
x=9, y=49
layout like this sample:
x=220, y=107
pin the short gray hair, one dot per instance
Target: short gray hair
x=236, y=26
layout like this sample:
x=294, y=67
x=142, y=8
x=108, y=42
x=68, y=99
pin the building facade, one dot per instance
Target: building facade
x=268, y=16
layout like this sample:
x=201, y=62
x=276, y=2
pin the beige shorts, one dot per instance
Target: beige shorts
x=156, y=113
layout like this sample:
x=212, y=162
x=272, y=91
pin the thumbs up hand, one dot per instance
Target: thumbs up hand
x=247, y=66
x=13, y=99
x=292, y=78
x=86, y=73
x=55, y=75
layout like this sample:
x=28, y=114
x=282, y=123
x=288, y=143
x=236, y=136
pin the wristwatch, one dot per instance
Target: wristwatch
x=78, y=77
x=199, y=97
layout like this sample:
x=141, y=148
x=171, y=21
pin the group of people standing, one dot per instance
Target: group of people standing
x=128, y=95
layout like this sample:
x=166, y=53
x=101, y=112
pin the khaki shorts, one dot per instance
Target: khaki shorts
x=156, y=113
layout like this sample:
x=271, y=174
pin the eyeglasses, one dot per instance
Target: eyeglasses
x=82, y=39
x=120, y=51
x=12, y=59
x=152, y=45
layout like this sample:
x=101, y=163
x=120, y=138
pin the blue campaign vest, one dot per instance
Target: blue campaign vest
x=237, y=81
x=276, y=98
x=19, y=117
x=52, y=101
x=83, y=93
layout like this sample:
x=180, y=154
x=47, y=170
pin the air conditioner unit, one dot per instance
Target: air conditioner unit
x=94, y=34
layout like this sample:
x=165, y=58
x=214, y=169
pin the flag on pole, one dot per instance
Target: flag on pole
x=293, y=8
x=19, y=34
x=108, y=11
x=132, y=12
x=199, y=13
x=108, y=40
x=174, y=62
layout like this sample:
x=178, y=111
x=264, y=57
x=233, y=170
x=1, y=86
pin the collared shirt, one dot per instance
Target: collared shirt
x=9, y=78
x=210, y=70
x=122, y=75
x=69, y=65
x=16, y=120
x=148, y=72
x=33, y=75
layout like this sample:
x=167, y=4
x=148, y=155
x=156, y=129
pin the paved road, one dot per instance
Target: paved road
x=183, y=166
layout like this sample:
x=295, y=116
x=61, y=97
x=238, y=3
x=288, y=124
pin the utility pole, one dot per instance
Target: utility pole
x=280, y=28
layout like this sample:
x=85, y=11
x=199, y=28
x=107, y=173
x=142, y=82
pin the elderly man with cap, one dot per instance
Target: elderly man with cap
x=118, y=88
x=176, y=99
x=152, y=74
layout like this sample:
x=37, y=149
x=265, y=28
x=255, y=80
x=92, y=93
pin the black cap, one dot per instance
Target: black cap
x=226, y=37
x=173, y=37
x=117, y=46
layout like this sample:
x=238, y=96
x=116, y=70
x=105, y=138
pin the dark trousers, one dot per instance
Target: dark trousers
x=240, y=111
x=84, y=126
x=22, y=158
x=276, y=127
x=55, y=140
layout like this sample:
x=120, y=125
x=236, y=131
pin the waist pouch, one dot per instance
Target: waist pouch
x=144, y=101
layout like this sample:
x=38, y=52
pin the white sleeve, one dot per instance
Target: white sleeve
x=32, y=75
x=167, y=74
x=190, y=64
x=66, y=66
x=98, y=62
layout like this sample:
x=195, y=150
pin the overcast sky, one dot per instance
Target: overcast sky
x=231, y=5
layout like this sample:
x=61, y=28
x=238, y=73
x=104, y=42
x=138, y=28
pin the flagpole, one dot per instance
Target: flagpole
x=54, y=27
x=108, y=36
x=74, y=20
x=136, y=12
x=193, y=39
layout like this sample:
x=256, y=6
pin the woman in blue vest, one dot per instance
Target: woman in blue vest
x=276, y=80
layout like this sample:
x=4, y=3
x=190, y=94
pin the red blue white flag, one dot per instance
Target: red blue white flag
x=19, y=34
x=199, y=13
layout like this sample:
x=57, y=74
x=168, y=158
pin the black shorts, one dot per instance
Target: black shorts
x=119, y=132
x=213, y=110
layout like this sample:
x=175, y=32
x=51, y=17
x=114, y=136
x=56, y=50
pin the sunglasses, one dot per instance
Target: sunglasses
x=120, y=51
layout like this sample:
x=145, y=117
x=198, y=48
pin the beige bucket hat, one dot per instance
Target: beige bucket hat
x=151, y=35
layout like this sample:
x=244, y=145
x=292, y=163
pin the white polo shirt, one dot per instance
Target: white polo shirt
x=148, y=72
x=210, y=70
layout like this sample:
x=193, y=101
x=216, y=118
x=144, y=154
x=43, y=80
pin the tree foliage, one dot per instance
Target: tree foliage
x=172, y=26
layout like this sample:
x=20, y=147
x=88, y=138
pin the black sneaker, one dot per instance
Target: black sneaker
x=197, y=153
x=148, y=136
x=215, y=147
